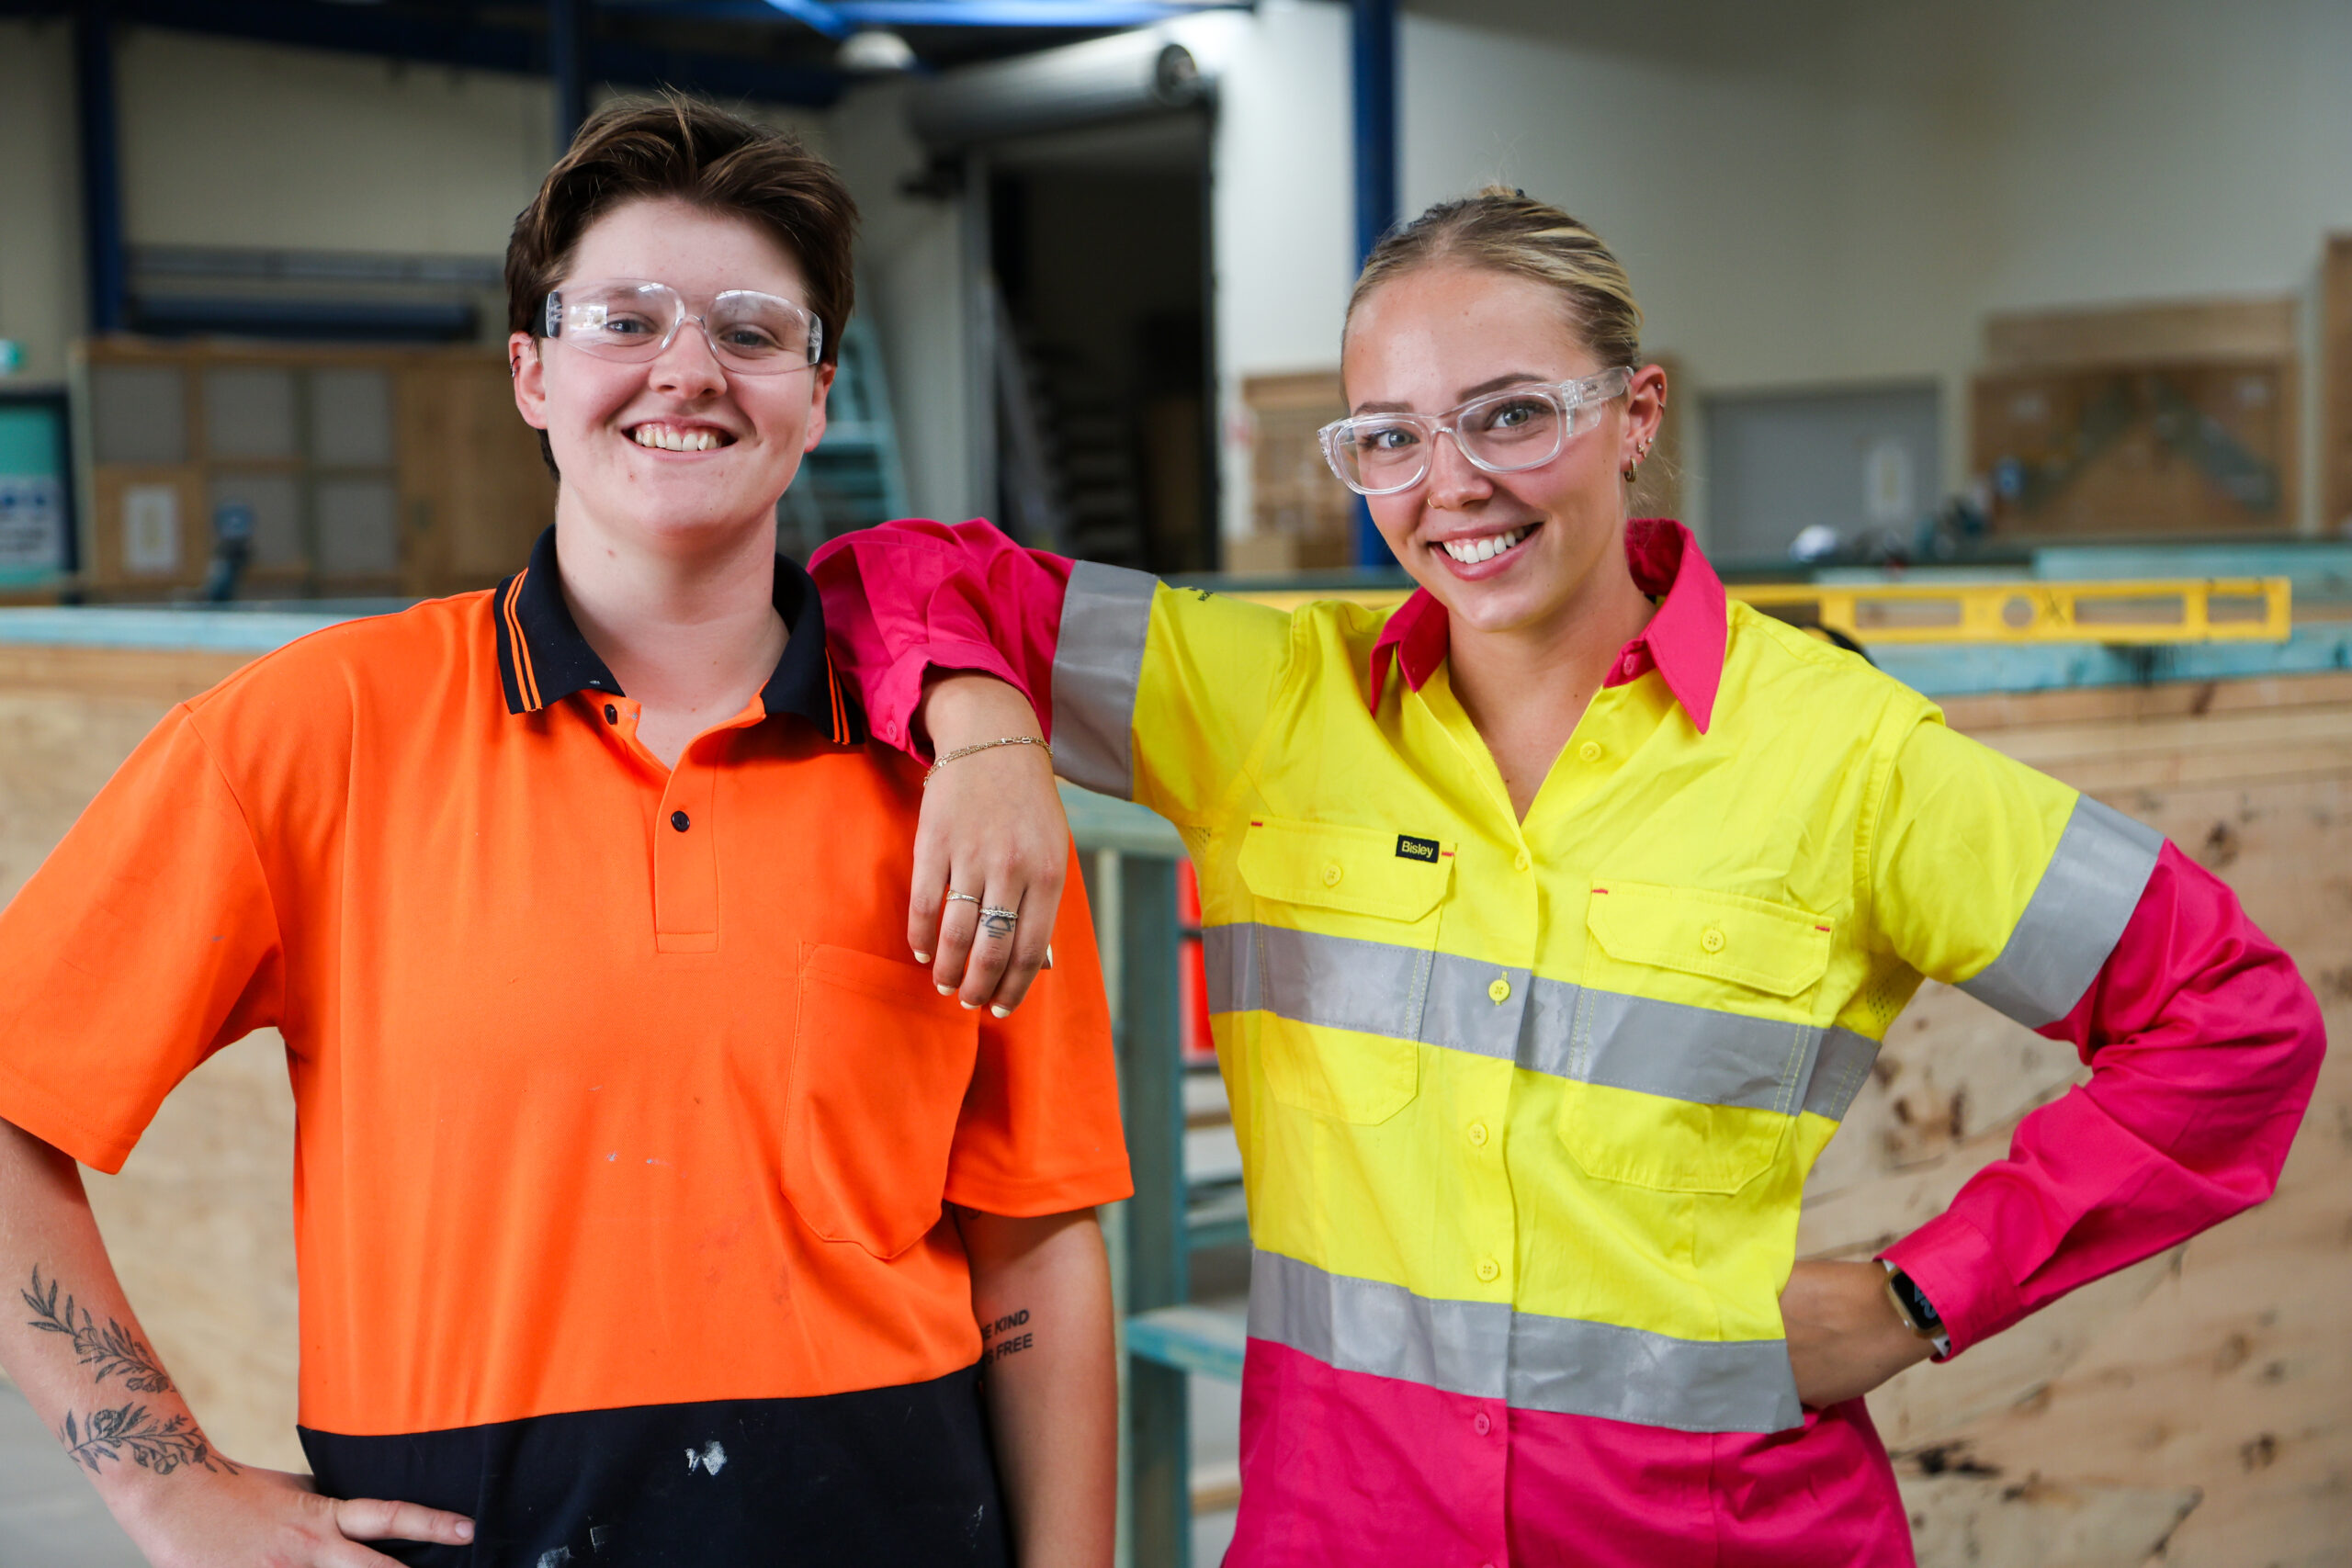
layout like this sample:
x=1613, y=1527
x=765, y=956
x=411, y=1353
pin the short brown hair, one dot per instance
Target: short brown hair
x=1505, y=230
x=640, y=149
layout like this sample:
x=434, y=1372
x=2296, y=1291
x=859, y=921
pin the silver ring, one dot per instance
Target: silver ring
x=953, y=896
x=998, y=921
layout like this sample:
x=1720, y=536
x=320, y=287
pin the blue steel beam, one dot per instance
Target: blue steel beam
x=463, y=40
x=1372, y=39
x=826, y=20
x=106, y=276
x=1016, y=12
x=567, y=30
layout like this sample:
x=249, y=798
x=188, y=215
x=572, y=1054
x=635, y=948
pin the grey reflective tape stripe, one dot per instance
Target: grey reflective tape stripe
x=2076, y=914
x=1338, y=982
x=1229, y=954
x=1489, y=1350
x=1106, y=614
x=1463, y=1014
x=1670, y=1049
x=1367, y=1325
x=1840, y=1070
x=1674, y=1049
x=1627, y=1374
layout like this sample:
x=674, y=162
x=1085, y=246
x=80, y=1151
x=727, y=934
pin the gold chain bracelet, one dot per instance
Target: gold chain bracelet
x=962, y=752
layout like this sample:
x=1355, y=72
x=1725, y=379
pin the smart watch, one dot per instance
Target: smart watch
x=1918, y=1312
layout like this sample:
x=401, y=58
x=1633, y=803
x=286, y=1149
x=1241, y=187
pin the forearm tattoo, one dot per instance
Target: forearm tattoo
x=132, y=1431
x=152, y=1442
x=1008, y=1336
x=111, y=1349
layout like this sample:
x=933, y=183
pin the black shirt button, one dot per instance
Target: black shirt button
x=611, y=714
x=678, y=819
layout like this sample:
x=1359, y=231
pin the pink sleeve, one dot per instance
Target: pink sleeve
x=910, y=597
x=2203, y=1043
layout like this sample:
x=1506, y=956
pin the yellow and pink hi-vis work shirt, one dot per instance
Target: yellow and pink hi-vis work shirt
x=1526, y=1107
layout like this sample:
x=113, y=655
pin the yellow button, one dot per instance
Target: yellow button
x=1522, y=861
x=1712, y=939
x=1332, y=874
x=1499, y=989
x=1489, y=1271
x=1478, y=1134
x=1590, y=750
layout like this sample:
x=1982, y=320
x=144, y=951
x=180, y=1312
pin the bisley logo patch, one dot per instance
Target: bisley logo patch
x=1410, y=848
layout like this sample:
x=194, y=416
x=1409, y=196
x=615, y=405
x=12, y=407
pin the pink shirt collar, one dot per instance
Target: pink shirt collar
x=1684, y=641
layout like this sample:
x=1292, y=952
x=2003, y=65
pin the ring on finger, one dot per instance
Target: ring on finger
x=1048, y=963
x=955, y=898
x=997, y=920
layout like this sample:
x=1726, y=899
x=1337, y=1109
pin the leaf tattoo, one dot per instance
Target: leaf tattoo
x=111, y=1349
x=154, y=1444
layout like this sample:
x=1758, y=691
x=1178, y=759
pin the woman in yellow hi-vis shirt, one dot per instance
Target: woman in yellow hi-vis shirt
x=1552, y=922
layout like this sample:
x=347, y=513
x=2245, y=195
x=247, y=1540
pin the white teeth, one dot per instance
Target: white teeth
x=663, y=438
x=1470, y=552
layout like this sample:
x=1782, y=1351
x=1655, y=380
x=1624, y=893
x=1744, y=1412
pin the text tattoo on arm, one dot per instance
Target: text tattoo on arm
x=998, y=1339
x=131, y=1431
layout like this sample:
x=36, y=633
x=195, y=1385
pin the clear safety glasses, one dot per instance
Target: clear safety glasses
x=750, y=332
x=1380, y=454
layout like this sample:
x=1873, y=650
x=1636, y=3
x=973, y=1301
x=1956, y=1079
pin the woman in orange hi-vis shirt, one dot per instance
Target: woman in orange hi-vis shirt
x=652, y=1207
x=1552, y=922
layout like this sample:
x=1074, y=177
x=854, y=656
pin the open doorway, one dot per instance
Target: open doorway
x=1098, y=241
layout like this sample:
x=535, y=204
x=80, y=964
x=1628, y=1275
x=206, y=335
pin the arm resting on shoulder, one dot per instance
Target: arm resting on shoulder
x=1041, y=1290
x=70, y=1341
x=948, y=634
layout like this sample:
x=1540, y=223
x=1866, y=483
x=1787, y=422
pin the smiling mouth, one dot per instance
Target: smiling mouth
x=1471, y=552
x=679, y=438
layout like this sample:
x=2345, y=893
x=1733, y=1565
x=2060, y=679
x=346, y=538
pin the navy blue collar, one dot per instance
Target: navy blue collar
x=542, y=658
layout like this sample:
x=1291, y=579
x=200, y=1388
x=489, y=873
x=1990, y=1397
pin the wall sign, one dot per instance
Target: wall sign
x=36, y=523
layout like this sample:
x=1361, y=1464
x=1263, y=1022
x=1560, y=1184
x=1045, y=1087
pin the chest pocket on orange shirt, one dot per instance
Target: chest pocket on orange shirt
x=1341, y=947
x=880, y=1062
x=1693, y=1030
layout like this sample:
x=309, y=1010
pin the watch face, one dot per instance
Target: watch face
x=1922, y=1310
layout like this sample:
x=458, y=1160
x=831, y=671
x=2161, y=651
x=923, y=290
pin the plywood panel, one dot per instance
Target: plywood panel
x=385, y=469
x=1295, y=500
x=115, y=496
x=474, y=492
x=2160, y=446
x=2188, y=332
x=2200, y=1404
x=2335, y=349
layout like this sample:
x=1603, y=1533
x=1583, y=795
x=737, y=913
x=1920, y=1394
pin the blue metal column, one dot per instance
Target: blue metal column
x=1372, y=54
x=104, y=271
x=566, y=22
x=1148, y=1036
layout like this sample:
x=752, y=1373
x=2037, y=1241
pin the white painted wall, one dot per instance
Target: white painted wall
x=226, y=143
x=913, y=288
x=1846, y=209
x=40, y=208
x=1845, y=206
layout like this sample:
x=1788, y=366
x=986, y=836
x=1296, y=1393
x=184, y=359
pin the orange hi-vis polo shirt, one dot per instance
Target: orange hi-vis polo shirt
x=625, y=1122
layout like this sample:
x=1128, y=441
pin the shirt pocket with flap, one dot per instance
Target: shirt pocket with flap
x=880, y=1064
x=1337, y=961
x=1695, y=1027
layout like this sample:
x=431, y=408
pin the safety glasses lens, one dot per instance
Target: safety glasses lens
x=749, y=331
x=762, y=330
x=1378, y=455
x=1516, y=430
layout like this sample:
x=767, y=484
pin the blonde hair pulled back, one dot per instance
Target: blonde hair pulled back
x=1507, y=231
